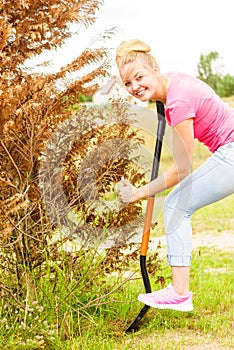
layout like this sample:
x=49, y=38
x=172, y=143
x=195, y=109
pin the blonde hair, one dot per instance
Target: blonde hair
x=130, y=50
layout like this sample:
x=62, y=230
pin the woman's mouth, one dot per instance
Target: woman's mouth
x=140, y=93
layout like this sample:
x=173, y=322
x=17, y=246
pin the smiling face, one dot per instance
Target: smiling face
x=142, y=81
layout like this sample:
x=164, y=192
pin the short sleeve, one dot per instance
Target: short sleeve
x=178, y=111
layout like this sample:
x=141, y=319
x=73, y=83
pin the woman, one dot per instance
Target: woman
x=193, y=110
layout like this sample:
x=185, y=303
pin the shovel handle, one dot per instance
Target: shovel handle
x=147, y=226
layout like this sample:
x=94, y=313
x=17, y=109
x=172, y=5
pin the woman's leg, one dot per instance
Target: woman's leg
x=211, y=182
x=180, y=279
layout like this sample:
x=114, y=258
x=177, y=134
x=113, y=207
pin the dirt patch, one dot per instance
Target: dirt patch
x=218, y=240
x=174, y=340
x=210, y=346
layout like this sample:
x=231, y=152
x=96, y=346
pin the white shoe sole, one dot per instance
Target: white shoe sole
x=176, y=307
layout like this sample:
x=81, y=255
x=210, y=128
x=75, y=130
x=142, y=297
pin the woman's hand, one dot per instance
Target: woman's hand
x=127, y=192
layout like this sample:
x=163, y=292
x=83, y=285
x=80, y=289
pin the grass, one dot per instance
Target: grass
x=211, y=320
x=210, y=324
x=216, y=217
x=53, y=324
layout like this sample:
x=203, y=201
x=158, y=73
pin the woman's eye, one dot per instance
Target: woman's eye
x=127, y=84
x=139, y=77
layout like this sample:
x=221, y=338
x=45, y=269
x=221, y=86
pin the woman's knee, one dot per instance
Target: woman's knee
x=171, y=201
x=176, y=210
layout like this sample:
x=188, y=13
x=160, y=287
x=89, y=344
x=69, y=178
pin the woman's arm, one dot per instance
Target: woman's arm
x=183, y=144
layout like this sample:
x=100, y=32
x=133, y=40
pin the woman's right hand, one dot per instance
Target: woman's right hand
x=127, y=192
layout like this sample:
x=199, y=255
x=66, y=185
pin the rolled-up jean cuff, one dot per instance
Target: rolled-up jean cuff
x=174, y=260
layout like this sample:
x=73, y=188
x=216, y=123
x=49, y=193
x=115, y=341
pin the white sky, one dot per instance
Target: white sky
x=178, y=31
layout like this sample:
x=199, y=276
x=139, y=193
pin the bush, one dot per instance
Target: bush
x=52, y=268
x=225, y=87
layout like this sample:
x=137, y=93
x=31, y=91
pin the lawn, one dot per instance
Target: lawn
x=209, y=326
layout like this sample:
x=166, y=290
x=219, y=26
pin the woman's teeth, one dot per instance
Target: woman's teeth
x=140, y=93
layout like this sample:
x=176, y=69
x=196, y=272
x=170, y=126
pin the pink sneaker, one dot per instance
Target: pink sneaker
x=168, y=299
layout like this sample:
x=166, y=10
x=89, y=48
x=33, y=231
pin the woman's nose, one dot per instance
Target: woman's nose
x=135, y=86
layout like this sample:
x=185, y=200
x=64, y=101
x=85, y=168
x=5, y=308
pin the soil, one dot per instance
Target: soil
x=218, y=240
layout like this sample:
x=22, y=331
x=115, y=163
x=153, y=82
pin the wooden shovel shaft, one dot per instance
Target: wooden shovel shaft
x=147, y=226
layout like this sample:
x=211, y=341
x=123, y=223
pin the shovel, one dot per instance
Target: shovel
x=149, y=213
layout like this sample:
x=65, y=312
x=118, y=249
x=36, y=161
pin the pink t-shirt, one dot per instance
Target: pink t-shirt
x=189, y=97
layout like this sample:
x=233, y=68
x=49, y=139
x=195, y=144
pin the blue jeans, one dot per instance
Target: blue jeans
x=211, y=182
